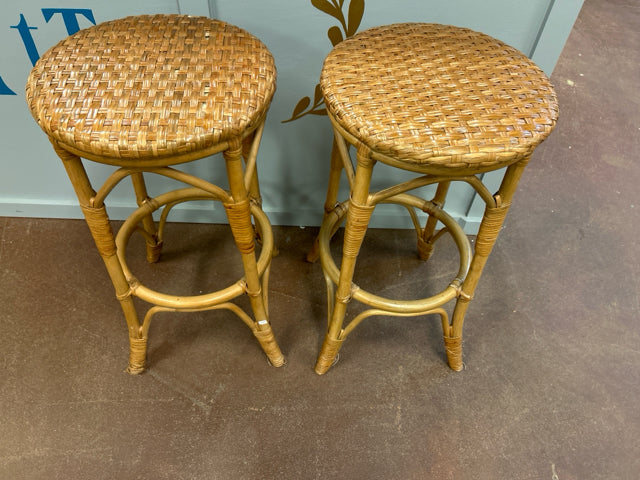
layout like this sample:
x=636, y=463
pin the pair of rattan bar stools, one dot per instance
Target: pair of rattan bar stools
x=146, y=93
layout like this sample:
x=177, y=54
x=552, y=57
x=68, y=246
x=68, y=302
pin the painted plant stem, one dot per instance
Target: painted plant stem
x=349, y=26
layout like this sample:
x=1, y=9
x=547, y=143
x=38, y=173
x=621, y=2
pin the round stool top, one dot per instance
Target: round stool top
x=151, y=86
x=439, y=96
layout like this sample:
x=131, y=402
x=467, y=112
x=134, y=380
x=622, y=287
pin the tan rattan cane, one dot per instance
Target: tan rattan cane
x=440, y=96
x=147, y=92
x=148, y=87
x=447, y=103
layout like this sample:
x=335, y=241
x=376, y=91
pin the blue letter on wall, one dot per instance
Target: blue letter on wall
x=70, y=19
x=4, y=90
x=27, y=39
x=69, y=16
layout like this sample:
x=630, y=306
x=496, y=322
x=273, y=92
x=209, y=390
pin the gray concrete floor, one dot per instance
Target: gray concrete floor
x=551, y=342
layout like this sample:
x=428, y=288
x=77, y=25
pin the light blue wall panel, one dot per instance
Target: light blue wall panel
x=294, y=155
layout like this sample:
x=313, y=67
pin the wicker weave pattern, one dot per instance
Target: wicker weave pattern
x=440, y=95
x=152, y=86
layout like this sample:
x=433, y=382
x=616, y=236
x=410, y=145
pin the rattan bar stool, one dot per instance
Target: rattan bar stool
x=448, y=104
x=143, y=94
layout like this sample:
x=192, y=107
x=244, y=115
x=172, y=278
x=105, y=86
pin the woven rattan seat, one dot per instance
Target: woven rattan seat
x=146, y=92
x=152, y=86
x=443, y=101
x=438, y=95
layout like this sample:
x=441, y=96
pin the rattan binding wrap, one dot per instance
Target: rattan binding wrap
x=431, y=94
x=152, y=86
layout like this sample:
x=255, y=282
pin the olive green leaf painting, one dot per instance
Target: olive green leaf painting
x=347, y=28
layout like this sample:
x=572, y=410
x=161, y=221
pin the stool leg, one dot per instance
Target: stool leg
x=239, y=215
x=254, y=184
x=335, y=174
x=98, y=222
x=490, y=226
x=250, y=146
x=425, y=245
x=154, y=247
x=358, y=217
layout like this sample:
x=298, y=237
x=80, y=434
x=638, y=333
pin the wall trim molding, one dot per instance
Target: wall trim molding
x=213, y=213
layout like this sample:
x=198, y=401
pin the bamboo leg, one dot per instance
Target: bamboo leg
x=98, y=222
x=154, y=247
x=492, y=221
x=425, y=245
x=239, y=215
x=254, y=185
x=358, y=217
x=335, y=173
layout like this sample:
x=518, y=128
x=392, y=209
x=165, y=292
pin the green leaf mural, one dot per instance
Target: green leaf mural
x=356, y=11
x=335, y=35
x=302, y=104
x=349, y=25
x=326, y=7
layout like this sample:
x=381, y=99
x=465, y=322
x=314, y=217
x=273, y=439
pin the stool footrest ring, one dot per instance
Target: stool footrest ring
x=415, y=306
x=195, y=301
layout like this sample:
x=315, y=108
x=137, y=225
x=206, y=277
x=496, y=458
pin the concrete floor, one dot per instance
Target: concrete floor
x=551, y=342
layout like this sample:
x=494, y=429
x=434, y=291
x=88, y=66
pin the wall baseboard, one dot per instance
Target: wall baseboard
x=205, y=212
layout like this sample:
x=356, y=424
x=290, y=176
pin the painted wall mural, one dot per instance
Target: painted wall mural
x=293, y=154
x=70, y=18
x=347, y=28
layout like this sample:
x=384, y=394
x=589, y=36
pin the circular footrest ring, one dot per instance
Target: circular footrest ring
x=400, y=306
x=190, y=301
